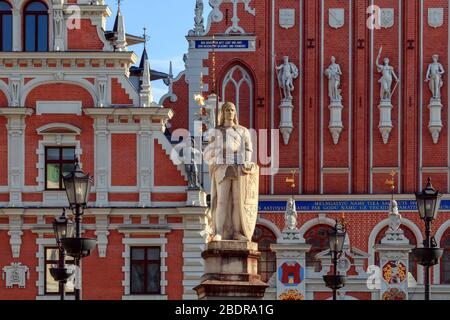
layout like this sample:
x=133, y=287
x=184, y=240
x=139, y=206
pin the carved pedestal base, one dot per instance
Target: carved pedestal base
x=435, y=125
x=196, y=198
x=286, y=124
x=336, y=125
x=231, y=271
x=385, y=125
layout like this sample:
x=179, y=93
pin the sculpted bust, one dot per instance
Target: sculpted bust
x=234, y=178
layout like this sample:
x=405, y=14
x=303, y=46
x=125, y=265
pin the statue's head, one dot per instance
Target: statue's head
x=386, y=61
x=435, y=57
x=286, y=59
x=333, y=59
x=228, y=112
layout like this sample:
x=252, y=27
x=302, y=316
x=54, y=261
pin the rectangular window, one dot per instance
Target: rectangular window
x=6, y=32
x=145, y=264
x=51, y=261
x=58, y=163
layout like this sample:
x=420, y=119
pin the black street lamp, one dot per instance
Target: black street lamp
x=78, y=186
x=62, y=228
x=428, y=203
x=336, y=239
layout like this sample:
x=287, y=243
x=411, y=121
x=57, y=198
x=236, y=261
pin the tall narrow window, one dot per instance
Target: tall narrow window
x=36, y=27
x=5, y=26
x=445, y=260
x=237, y=87
x=268, y=260
x=145, y=272
x=51, y=261
x=58, y=163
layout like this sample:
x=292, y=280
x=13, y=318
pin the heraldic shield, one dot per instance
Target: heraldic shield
x=249, y=186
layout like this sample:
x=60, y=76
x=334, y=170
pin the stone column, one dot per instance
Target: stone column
x=16, y=152
x=102, y=152
x=145, y=147
x=17, y=29
x=393, y=254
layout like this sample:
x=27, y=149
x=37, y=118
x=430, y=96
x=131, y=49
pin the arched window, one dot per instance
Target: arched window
x=445, y=260
x=317, y=237
x=267, y=262
x=36, y=27
x=237, y=87
x=412, y=240
x=5, y=26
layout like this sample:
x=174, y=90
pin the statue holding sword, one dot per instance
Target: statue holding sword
x=388, y=74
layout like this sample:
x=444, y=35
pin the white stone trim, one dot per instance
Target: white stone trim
x=42, y=243
x=54, y=140
x=438, y=237
x=322, y=219
x=58, y=107
x=271, y=226
x=377, y=229
x=136, y=242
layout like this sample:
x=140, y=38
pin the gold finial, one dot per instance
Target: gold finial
x=390, y=182
x=291, y=179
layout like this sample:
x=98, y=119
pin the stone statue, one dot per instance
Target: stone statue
x=334, y=74
x=199, y=27
x=394, y=217
x=290, y=215
x=234, y=178
x=192, y=159
x=434, y=77
x=388, y=73
x=287, y=73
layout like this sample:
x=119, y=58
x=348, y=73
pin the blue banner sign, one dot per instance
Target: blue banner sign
x=345, y=206
x=221, y=44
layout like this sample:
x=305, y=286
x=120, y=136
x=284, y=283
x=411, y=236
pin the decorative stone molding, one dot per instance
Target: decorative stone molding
x=286, y=121
x=15, y=234
x=101, y=231
x=336, y=126
x=15, y=275
x=435, y=125
x=216, y=14
x=196, y=198
x=126, y=255
x=385, y=125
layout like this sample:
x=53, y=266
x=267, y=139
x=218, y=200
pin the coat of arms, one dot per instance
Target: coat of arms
x=287, y=18
x=336, y=17
x=435, y=17
x=387, y=17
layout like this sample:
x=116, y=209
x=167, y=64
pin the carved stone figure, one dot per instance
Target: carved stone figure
x=287, y=73
x=199, y=27
x=388, y=74
x=290, y=215
x=192, y=159
x=334, y=74
x=394, y=217
x=16, y=275
x=234, y=178
x=434, y=77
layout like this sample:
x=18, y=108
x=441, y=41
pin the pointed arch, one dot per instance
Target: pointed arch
x=238, y=86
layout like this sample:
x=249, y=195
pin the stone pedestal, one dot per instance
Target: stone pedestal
x=231, y=271
x=336, y=125
x=286, y=124
x=385, y=125
x=435, y=125
x=196, y=198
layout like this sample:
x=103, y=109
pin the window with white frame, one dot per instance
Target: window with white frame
x=51, y=261
x=59, y=161
x=145, y=273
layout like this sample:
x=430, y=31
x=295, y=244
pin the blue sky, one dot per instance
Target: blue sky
x=167, y=22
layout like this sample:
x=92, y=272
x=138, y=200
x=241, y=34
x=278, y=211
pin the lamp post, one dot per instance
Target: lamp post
x=428, y=203
x=63, y=228
x=78, y=186
x=336, y=238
